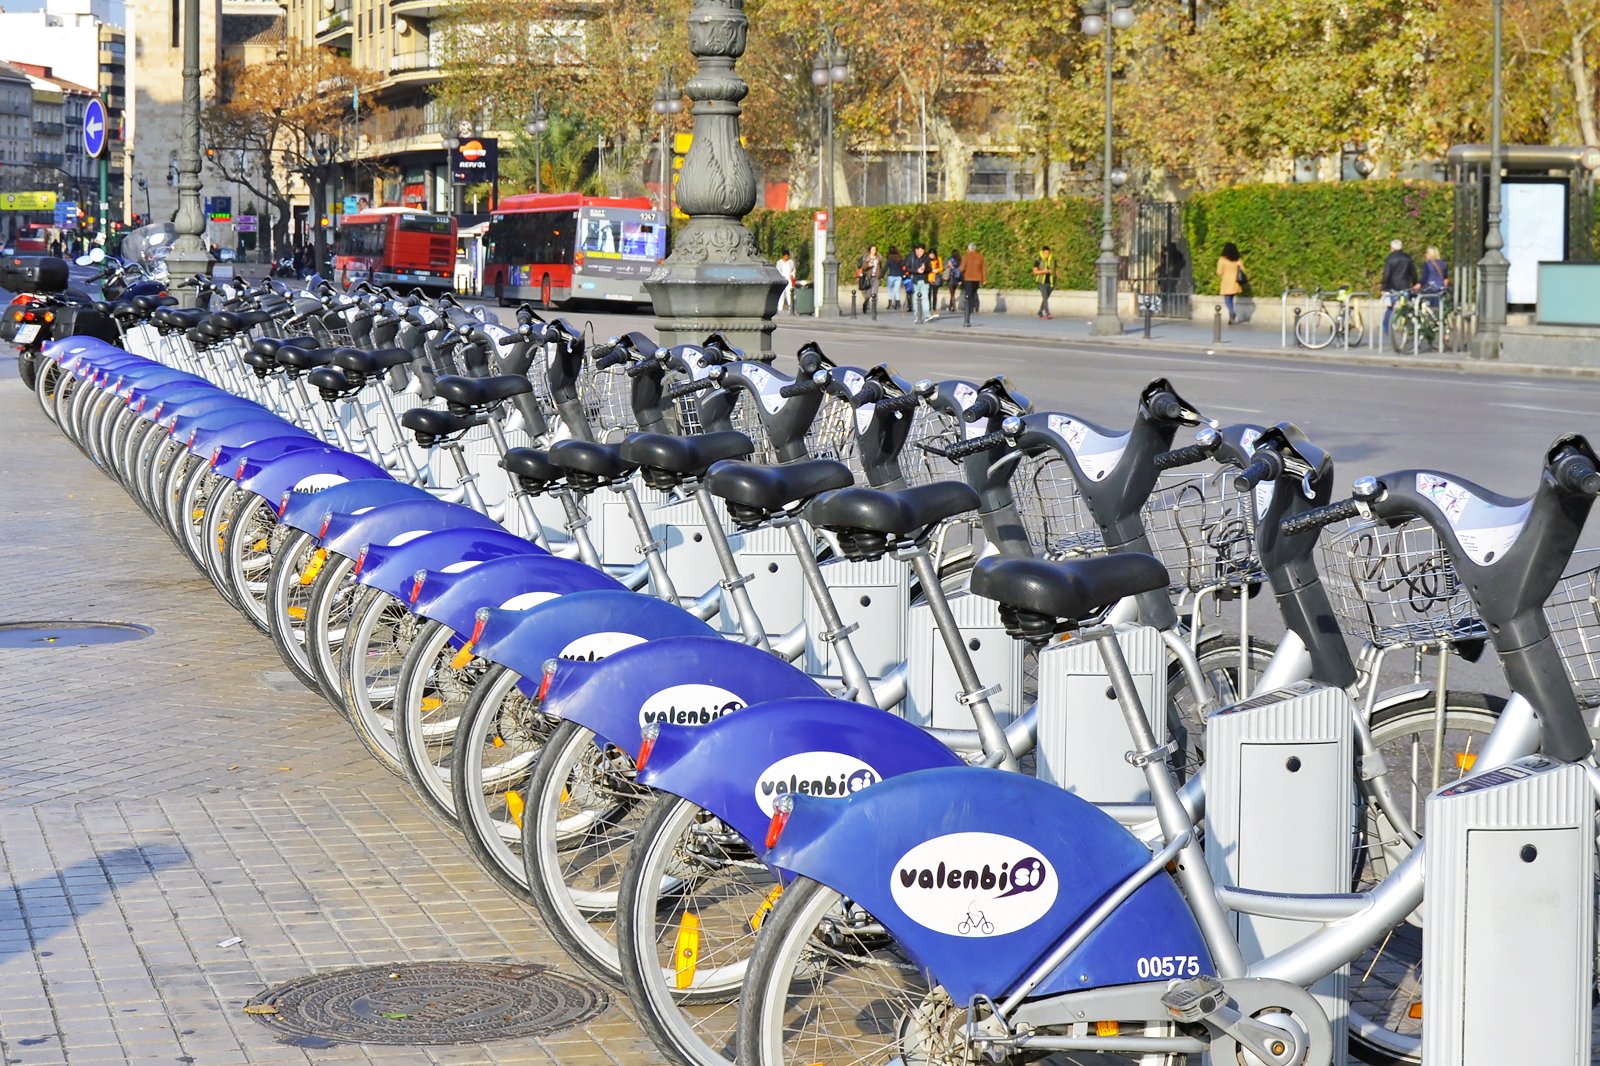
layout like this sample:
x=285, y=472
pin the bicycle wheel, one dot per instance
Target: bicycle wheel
x=294, y=568
x=333, y=595
x=220, y=514
x=431, y=695
x=47, y=378
x=247, y=554
x=1355, y=326
x=827, y=984
x=1401, y=325
x=500, y=737
x=693, y=899
x=381, y=633
x=1220, y=659
x=1315, y=330
x=583, y=810
x=1386, y=980
x=203, y=489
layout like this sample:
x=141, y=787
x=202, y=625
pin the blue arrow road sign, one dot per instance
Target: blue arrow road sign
x=94, y=129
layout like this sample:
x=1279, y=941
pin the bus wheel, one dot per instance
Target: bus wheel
x=544, y=293
x=500, y=291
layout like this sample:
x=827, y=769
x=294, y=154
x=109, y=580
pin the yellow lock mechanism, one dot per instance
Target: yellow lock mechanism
x=686, y=950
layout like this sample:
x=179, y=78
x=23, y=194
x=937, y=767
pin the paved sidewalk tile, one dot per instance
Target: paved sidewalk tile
x=161, y=797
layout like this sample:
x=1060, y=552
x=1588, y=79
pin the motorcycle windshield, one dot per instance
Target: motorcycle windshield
x=148, y=245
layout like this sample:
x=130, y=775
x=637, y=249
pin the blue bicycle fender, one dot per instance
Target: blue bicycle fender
x=347, y=534
x=685, y=681
x=221, y=409
x=63, y=348
x=306, y=471
x=978, y=872
x=231, y=461
x=393, y=568
x=514, y=583
x=584, y=625
x=169, y=397
x=737, y=766
x=234, y=435
x=353, y=497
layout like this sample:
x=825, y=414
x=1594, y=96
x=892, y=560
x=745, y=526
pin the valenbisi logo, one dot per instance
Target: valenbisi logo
x=592, y=646
x=688, y=705
x=523, y=601
x=813, y=773
x=974, y=884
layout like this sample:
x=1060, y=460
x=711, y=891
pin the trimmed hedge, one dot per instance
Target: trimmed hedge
x=1317, y=235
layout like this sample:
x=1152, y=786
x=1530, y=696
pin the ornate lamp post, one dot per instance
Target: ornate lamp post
x=538, y=122
x=715, y=278
x=669, y=101
x=1096, y=24
x=830, y=67
x=1494, y=267
x=188, y=256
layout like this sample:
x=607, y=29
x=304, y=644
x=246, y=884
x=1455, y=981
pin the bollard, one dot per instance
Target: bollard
x=966, y=308
x=852, y=303
x=1298, y=311
x=1216, y=326
x=1148, y=315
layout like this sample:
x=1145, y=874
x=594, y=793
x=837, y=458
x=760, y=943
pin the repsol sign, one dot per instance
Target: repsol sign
x=813, y=773
x=974, y=884
x=688, y=705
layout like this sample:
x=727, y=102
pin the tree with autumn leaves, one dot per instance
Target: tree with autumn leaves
x=302, y=111
x=1208, y=92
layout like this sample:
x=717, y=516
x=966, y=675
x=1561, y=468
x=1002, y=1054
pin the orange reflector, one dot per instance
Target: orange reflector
x=1106, y=1028
x=498, y=741
x=514, y=806
x=767, y=903
x=1465, y=760
x=297, y=613
x=686, y=950
x=314, y=567
x=431, y=703
x=1414, y=1012
x=462, y=657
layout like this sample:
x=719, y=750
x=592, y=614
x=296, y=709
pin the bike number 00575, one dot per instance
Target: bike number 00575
x=1153, y=966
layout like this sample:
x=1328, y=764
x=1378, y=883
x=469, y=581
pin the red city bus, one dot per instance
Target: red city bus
x=395, y=246
x=556, y=247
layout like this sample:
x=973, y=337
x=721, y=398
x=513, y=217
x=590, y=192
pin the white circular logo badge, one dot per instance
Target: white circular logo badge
x=974, y=884
x=813, y=773
x=688, y=705
x=318, y=482
x=592, y=646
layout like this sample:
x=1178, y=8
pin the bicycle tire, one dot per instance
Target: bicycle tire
x=483, y=773
x=288, y=599
x=1400, y=326
x=333, y=594
x=688, y=1006
x=1387, y=979
x=582, y=812
x=1355, y=326
x=221, y=511
x=247, y=554
x=47, y=378
x=381, y=632
x=431, y=697
x=1315, y=330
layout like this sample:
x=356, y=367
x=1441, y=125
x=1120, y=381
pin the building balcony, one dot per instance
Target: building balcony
x=414, y=68
x=47, y=159
x=420, y=9
x=334, y=30
x=48, y=129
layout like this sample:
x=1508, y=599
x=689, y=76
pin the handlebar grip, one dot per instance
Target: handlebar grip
x=799, y=388
x=904, y=402
x=985, y=406
x=871, y=392
x=1186, y=456
x=509, y=339
x=610, y=355
x=1165, y=406
x=1318, y=517
x=1575, y=473
x=962, y=449
x=687, y=388
x=1252, y=475
x=643, y=367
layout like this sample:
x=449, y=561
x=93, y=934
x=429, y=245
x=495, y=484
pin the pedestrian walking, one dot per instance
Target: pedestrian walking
x=917, y=270
x=1435, y=271
x=1230, y=269
x=785, y=266
x=894, y=270
x=935, y=279
x=952, y=278
x=1044, y=275
x=869, y=274
x=1399, y=278
x=974, y=272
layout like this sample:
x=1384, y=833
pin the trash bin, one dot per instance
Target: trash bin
x=805, y=299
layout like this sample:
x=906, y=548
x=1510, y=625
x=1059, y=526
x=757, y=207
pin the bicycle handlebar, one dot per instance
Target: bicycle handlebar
x=1267, y=466
x=1318, y=517
x=987, y=405
x=962, y=449
x=904, y=402
x=1187, y=456
x=687, y=388
x=1166, y=406
x=1574, y=472
x=799, y=388
x=608, y=356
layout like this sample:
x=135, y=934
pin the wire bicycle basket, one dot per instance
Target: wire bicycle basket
x=1396, y=586
x=1203, y=530
x=1573, y=614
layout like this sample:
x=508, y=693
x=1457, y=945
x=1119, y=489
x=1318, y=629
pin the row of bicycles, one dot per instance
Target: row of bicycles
x=843, y=718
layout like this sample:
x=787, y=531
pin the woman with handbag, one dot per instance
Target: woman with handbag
x=869, y=271
x=1230, y=269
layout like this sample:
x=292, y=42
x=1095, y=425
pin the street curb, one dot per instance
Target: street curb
x=1474, y=366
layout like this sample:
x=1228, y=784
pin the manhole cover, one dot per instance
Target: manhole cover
x=68, y=634
x=431, y=1003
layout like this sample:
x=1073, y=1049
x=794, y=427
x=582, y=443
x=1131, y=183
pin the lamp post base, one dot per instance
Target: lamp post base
x=694, y=297
x=1106, y=321
x=183, y=264
x=1494, y=269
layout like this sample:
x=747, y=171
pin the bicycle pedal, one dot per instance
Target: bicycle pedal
x=1195, y=999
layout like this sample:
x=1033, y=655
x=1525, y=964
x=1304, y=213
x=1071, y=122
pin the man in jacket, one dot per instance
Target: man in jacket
x=974, y=272
x=917, y=268
x=1399, y=277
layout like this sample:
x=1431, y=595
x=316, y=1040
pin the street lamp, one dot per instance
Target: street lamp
x=1096, y=24
x=669, y=101
x=538, y=122
x=830, y=67
x=1493, y=268
x=144, y=187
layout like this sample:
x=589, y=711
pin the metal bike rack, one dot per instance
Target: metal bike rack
x=1508, y=919
x=1279, y=814
x=1287, y=328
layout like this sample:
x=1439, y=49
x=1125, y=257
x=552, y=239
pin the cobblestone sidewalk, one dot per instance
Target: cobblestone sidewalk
x=162, y=797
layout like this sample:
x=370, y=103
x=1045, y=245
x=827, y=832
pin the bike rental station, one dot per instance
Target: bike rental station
x=839, y=717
